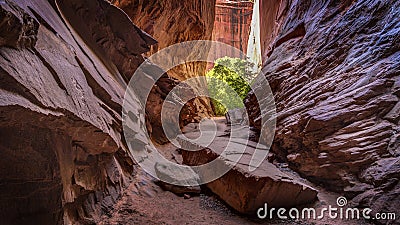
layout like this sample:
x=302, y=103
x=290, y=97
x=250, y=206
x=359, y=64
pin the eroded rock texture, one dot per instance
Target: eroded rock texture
x=334, y=68
x=243, y=189
x=62, y=155
x=232, y=24
x=171, y=22
x=155, y=106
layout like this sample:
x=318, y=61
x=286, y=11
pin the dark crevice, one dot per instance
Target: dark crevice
x=98, y=91
x=36, y=196
x=51, y=70
x=42, y=21
x=297, y=32
x=9, y=83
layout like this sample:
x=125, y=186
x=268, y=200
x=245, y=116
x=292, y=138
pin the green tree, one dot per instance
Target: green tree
x=229, y=83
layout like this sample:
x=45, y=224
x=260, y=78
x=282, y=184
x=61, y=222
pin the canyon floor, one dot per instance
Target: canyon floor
x=144, y=202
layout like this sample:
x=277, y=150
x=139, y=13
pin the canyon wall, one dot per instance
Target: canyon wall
x=232, y=24
x=63, y=77
x=334, y=68
x=272, y=16
x=64, y=67
x=171, y=22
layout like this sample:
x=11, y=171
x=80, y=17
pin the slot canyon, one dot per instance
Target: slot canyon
x=72, y=131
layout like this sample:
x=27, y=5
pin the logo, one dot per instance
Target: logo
x=330, y=212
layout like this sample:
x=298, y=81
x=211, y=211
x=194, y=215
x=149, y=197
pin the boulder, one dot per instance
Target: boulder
x=176, y=179
x=235, y=116
x=245, y=189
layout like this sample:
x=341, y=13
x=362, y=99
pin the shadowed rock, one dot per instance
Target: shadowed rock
x=244, y=190
x=63, y=160
x=334, y=69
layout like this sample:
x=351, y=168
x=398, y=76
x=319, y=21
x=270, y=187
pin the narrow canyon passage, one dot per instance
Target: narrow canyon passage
x=146, y=201
x=199, y=111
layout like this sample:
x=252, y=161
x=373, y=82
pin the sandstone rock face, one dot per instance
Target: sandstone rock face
x=235, y=116
x=232, y=24
x=244, y=190
x=154, y=106
x=62, y=155
x=171, y=22
x=173, y=174
x=272, y=16
x=334, y=68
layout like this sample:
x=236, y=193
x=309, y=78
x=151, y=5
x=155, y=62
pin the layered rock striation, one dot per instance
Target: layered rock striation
x=65, y=66
x=64, y=69
x=171, y=22
x=334, y=69
x=232, y=24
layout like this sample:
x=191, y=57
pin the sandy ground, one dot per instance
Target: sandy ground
x=144, y=202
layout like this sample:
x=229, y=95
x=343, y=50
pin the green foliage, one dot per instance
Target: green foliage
x=228, y=83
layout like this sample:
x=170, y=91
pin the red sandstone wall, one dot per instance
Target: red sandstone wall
x=232, y=23
x=334, y=70
x=272, y=14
